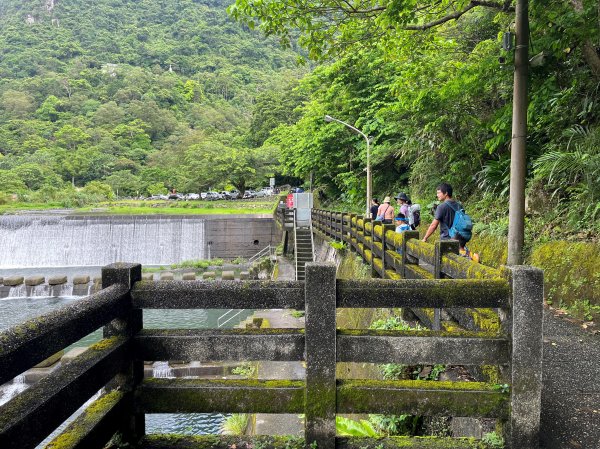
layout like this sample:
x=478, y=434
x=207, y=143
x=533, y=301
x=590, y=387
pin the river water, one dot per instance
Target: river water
x=17, y=310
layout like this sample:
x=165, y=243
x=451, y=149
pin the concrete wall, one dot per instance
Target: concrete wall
x=238, y=236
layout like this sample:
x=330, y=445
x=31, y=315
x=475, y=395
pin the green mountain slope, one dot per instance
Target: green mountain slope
x=129, y=93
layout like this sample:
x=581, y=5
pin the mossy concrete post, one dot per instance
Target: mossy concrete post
x=384, y=229
x=527, y=284
x=343, y=229
x=441, y=247
x=320, y=337
x=406, y=259
x=352, y=232
x=127, y=274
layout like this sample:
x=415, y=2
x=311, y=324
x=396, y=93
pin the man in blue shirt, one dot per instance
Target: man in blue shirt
x=444, y=215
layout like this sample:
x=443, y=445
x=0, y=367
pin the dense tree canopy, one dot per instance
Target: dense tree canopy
x=122, y=93
x=430, y=82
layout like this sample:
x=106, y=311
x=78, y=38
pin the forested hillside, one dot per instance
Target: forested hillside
x=431, y=83
x=133, y=96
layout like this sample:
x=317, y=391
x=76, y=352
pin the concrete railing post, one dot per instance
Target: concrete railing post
x=320, y=337
x=352, y=232
x=406, y=259
x=384, y=229
x=527, y=285
x=127, y=274
x=441, y=247
x=343, y=229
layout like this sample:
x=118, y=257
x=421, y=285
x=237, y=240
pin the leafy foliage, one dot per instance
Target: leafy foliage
x=349, y=427
x=131, y=95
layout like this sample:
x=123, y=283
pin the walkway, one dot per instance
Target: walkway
x=285, y=424
x=571, y=386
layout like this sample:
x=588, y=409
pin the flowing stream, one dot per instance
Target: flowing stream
x=17, y=310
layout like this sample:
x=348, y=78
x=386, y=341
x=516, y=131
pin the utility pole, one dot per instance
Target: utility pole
x=516, y=211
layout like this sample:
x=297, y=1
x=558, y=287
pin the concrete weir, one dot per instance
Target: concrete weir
x=58, y=241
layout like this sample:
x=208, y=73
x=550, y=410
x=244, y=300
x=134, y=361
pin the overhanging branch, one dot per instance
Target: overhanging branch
x=456, y=15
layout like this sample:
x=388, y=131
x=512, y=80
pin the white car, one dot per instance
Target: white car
x=192, y=196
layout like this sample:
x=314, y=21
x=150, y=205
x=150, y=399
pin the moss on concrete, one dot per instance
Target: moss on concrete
x=75, y=432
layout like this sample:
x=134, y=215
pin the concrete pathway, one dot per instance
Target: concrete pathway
x=571, y=386
x=287, y=269
x=285, y=424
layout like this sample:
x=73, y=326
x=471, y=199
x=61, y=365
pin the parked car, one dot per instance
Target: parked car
x=234, y=194
x=260, y=194
x=175, y=196
x=212, y=196
x=226, y=195
x=249, y=194
x=158, y=197
x=192, y=196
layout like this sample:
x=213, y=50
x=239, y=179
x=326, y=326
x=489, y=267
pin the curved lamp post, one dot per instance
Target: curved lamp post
x=329, y=119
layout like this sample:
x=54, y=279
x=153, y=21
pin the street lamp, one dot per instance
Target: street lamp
x=329, y=119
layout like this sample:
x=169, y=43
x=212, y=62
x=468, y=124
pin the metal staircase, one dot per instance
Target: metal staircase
x=304, y=249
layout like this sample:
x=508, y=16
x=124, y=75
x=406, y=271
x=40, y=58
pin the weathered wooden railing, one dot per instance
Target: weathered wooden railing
x=117, y=361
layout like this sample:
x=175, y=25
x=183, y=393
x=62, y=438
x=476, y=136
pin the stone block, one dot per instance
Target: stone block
x=13, y=281
x=81, y=280
x=228, y=276
x=57, y=280
x=147, y=276
x=34, y=280
x=73, y=353
x=167, y=276
x=81, y=290
x=189, y=276
x=34, y=375
x=50, y=360
x=208, y=275
x=244, y=275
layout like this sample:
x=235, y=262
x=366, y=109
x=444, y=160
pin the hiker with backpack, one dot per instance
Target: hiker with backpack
x=451, y=217
x=411, y=211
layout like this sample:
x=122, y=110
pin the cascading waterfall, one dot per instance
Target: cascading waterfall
x=52, y=241
x=10, y=390
x=162, y=370
x=45, y=290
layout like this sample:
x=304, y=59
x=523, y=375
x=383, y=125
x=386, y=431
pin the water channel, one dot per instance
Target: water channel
x=52, y=244
x=17, y=310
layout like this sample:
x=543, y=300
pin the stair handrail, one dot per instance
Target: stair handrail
x=312, y=240
x=267, y=249
x=229, y=318
x=295, y=244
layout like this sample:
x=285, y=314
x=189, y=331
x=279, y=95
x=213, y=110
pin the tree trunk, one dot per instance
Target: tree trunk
x=591, y=57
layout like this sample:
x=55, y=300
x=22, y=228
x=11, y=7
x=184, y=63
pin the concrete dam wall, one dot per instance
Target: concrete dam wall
x=52, y=241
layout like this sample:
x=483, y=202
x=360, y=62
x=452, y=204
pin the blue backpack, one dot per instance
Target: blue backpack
x=462, y=223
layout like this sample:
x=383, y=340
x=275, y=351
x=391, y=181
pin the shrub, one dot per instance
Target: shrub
x=235, y=424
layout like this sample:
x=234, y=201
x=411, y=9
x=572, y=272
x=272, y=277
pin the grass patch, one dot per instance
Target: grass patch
x=19, y=206
x=136, y=207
